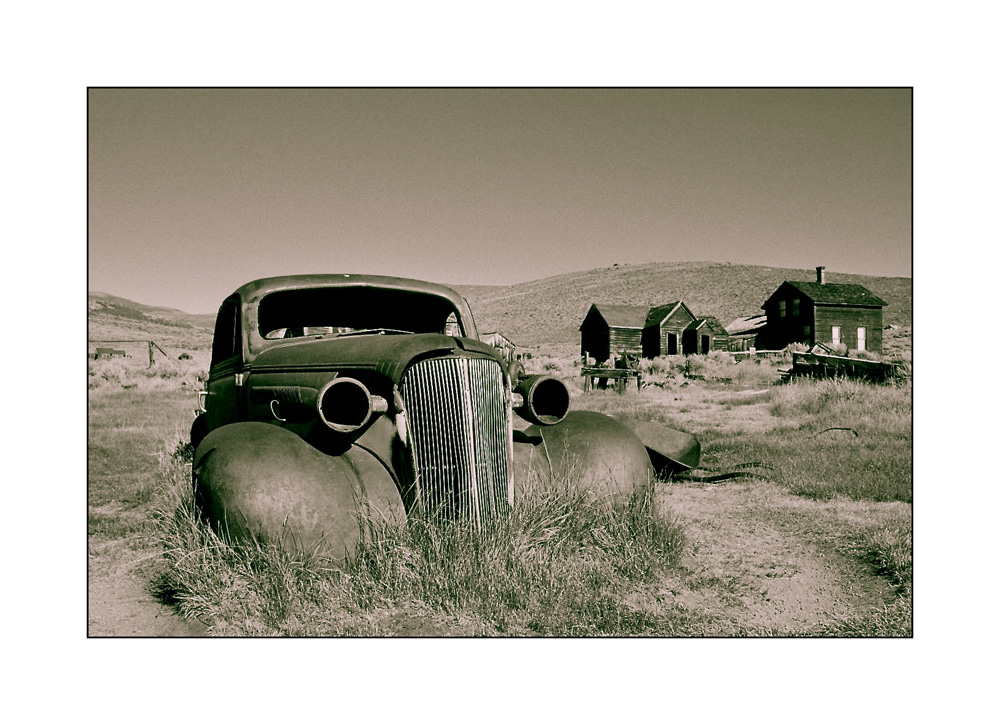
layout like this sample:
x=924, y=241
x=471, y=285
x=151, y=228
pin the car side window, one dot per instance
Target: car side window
x=227, y=342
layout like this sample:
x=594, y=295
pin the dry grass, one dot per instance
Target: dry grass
x=561, y=564
x=135, y=373
x=751, y=545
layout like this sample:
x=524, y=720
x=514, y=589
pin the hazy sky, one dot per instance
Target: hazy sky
x=194, y=192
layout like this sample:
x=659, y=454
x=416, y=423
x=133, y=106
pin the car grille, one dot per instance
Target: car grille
x=458, y=437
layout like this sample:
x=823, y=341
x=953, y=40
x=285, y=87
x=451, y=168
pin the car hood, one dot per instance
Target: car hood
x=388, y=354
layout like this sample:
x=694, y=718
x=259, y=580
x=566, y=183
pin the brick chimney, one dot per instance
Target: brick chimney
x=821, y=275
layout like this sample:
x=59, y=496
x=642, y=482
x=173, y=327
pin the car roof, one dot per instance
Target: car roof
x=255, y=290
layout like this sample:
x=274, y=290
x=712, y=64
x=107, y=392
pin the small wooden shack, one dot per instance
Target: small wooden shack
x=106, y=353
x=743, y=332
x=501, y=342
x=612, y=330
x=663, y=331
x=704, y=335
x=823, y=312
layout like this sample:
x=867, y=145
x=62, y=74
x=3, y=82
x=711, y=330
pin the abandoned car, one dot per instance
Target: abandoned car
x=337, y=399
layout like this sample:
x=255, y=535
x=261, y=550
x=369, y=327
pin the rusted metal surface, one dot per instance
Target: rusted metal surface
x=458, y=437
x=545, y=399
x=669, y=449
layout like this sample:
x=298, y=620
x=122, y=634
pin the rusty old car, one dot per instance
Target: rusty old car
x=338, y=399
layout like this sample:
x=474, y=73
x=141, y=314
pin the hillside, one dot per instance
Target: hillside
x=545, y=311
x=116, y=318
x=550, y=310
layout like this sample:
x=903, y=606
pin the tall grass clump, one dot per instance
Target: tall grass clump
x=863, y=407
x=889, y=551
x=252, y=588
x=894, y=619
x=559, y=564
x=836, y=438
x=562, y=563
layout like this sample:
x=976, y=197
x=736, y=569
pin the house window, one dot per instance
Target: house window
x=835, y=334
x=795, y=307
x=861, y=338
x=807, y=331
x=781, y=308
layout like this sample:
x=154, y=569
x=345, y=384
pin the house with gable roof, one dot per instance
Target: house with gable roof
x=822, y=312
x=663, y=332
x=612, y=330
x=704, y=335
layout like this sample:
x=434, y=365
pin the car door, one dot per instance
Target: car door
x=223, y=403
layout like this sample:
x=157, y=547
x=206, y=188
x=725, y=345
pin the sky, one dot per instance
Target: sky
x=193, y=192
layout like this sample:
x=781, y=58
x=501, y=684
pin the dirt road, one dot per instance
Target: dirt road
x=754, y=566
x=119, y=598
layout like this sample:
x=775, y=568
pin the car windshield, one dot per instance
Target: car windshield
x=353, y=310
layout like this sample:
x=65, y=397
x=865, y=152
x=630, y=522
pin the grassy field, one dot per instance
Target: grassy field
x=817, y=542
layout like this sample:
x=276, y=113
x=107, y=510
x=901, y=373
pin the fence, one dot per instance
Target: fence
x=756, y=353
x=110, y=352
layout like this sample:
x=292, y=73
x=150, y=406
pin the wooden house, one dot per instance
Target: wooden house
x=743, y=332
x=612, y=330
x=823, y=312
x=105, y=353
x=501, y=342
x=663, y=331
x=704, y=335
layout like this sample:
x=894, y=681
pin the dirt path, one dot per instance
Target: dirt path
x=119, y=598
x=123, y=607
x=752, y=566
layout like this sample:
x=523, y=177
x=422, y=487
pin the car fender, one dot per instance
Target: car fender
x=262, y=481
x=590, y=450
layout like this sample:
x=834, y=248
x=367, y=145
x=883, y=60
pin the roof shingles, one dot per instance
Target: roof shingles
x=838, y=294
x=623, y=315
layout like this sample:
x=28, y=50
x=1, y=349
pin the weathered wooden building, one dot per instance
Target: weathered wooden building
x=823, y=312
x=501, y=342
x=612, y=330
x=704, y=335
x=105, y=353
x=743, y=332
x=664, y=328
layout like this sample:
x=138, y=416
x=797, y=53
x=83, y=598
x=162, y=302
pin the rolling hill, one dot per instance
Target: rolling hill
x=116, y=318
x=544, y=311
x=550, y=310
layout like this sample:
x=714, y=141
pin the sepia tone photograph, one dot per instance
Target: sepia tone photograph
x=500, y=362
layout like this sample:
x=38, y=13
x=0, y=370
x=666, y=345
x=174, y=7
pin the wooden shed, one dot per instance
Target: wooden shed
x=704, y=335
x=612, y=330
x=104, y=353
x=823, y=312
x=663, y=331
x=501, y=342
x=743, y=332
